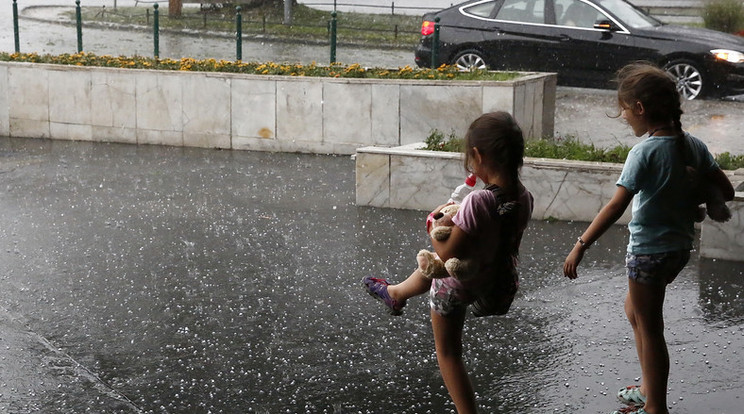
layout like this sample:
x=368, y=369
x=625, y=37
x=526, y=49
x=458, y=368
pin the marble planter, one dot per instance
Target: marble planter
x=254, y=112
x=408, y=178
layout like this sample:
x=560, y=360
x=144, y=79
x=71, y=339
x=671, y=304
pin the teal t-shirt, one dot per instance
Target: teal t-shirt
x=663, y=213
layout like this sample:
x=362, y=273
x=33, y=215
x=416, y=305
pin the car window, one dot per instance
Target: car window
x=481, y=9
x=630, y=15
x=524, y=11
x=576, y=13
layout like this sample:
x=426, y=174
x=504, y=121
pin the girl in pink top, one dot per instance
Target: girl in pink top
x=488, y=229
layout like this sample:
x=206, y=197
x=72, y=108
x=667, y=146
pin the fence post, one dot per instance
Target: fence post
x=15, y=28
x=156, y=29
x=238, y=33
x=333, y=37
x=435, y=44
x=79, y=19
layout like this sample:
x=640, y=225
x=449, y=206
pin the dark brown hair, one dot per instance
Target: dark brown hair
x=499, y=140
x=654, y=88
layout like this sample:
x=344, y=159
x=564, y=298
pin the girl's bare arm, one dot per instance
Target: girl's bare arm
x=606, y=217
x=454, y=246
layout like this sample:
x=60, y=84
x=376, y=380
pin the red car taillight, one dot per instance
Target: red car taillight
x=427, y=28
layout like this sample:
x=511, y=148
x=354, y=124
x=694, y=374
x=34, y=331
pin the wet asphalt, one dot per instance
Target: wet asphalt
x=147, y=279
x=143, y=279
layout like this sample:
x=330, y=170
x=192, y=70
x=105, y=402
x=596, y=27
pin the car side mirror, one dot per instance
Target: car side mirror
x=605, y=25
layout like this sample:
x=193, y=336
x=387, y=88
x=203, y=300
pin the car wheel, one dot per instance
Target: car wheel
x=691, y=82
x=469, y=60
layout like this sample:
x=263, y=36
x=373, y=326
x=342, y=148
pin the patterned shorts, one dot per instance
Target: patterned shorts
x=447, y=297
x=658, y=268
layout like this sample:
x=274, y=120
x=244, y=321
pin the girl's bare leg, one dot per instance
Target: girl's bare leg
x=646, y=308
x=636, y=334
x=448, y=341
x=415, y=285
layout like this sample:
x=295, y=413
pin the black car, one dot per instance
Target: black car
x=584, y=41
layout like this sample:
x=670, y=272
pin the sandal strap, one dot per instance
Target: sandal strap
x=631, y=410
x=631, y=395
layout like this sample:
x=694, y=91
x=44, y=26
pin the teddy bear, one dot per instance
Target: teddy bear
x=430, y=265
x=708, y=194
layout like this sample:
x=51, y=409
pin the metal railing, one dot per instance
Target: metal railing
x=239, y=22
x=151, y=17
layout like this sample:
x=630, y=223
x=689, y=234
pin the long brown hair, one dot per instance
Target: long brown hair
x=499, y=139
x=656, y=90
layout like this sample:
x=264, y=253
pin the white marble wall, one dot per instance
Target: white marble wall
x=113, y=94
x=264, y=113
x=4, y=109
x=407, y=178
x=571, y=190
x=725, y=240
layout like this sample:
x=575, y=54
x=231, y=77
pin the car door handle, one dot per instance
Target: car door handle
x=564, y=38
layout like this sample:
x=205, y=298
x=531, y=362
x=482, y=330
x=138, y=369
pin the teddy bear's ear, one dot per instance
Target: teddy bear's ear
x=451, y=209
x=440, y=232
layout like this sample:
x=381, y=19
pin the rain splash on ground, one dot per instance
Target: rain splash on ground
x=178, y=280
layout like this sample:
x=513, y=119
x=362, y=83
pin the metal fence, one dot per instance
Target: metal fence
x=152, y=17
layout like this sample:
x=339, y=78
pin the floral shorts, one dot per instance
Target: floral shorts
x=447, y=296
x=658, y=268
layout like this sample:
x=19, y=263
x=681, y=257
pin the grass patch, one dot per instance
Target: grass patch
x=568, y=148
x=571, y=149
x=307, y=23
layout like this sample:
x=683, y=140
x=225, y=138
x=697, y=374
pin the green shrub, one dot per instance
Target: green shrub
x=724, y=15
x=571, y=149
x=730, y=162
x=568, y=148
x=437, y=141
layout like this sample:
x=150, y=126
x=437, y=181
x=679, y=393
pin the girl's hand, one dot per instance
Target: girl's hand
x=572, y=261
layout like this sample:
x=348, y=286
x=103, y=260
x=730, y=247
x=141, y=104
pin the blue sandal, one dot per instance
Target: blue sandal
x=631, y=395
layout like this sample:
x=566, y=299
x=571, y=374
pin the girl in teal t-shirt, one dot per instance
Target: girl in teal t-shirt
x=661, y=176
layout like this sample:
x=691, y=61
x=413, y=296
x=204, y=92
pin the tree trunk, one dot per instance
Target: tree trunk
x=174, y=8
